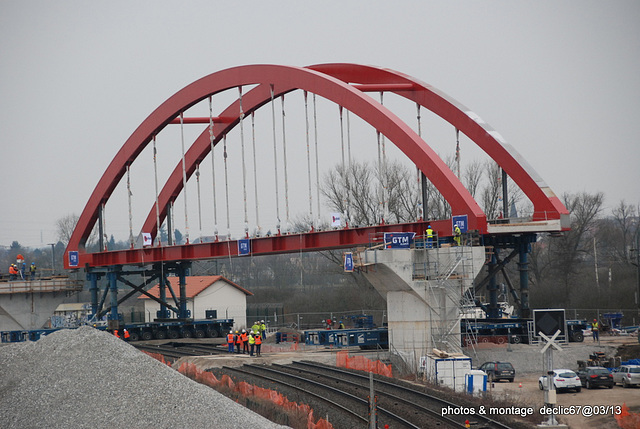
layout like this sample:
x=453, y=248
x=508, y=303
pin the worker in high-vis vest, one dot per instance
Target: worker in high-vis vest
x=258, y=340
x=230, y=341
x=457, y=236
x=263, y=329
x=126, y=333
x=238, y=342
x=245, y=342
x=252, y=343
x=429, y=242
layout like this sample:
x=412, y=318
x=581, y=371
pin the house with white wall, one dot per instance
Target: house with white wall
x=213, y=296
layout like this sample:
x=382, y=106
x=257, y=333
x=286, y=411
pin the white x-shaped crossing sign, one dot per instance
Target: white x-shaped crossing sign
x=550, y=341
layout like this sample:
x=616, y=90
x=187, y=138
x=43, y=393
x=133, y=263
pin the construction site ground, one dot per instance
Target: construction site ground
x=526, y=359
x=525, y=390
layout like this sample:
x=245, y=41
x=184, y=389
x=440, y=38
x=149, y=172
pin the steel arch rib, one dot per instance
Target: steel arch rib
x=342, y=93
x=334, y=82
x=546, y=204
x=281, y=77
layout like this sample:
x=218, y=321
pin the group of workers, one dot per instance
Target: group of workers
x=249, y=342
x=125, y=334
x=15, y=272
x=457, y=236
x=332, y=324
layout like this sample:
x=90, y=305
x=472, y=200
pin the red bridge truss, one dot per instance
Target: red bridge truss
x=346, y=85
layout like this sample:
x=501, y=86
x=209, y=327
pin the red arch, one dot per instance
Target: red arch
x=283, y=79
x=336, y=83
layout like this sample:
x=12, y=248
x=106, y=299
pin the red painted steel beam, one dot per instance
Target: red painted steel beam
x=202, y=120
x=290, y=243
x=384, y=87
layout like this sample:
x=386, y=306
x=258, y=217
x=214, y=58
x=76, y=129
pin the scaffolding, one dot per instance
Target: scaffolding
x=447, y=279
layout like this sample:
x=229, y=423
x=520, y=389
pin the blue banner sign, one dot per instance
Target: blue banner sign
x=398, y=240
x=244, y=246
x=348, y=262
x=74, y=258
x=461, y=222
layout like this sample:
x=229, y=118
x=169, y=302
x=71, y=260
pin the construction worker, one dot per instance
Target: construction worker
x=457, y=235
x=126, y=334
x=238, y=342
x=230, y=341
x=245, y=342
x=258, y=340
x=256, y=326
x=595, y=330
x=429, y=242
x=252, y=343
x=263, y=329
x=13, y=272
x=32, y=270
x=340, y=325
x=116, y=334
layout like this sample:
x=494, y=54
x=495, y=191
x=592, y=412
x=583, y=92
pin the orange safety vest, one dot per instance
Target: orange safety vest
x=115, y=332
x=230, y=338
x=13, y=270
x=258, y=339
x=243, y=337
x=126, y=334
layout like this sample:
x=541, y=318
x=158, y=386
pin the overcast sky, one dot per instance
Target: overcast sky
x=559, y=80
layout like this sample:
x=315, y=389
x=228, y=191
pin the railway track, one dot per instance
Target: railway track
x=340, y=395
x=173, y=351
x=343, y=396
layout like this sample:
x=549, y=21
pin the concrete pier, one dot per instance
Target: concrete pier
x=424, y=289
x=28, y=304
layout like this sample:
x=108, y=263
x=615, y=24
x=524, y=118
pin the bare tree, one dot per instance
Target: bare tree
x=625, y=216
x=355, y=191
x=491, y=192
x=65, y=226
x=558, y=260
x=472, y=177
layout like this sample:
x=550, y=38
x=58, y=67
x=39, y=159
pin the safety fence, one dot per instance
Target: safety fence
x=361, y=363
x=626, y=419
x=247, y=390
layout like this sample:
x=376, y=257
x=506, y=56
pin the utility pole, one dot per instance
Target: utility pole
x=53, y=258
x=636, y=261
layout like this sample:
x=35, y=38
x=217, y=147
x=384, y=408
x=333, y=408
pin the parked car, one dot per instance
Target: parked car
x=627, y=375
x=497, y=371
x=595, y=376
x=563, y=379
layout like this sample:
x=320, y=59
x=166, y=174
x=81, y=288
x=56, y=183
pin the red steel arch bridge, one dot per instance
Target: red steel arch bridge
x=245, y=92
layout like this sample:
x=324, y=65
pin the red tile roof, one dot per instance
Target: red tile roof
x=194, y=286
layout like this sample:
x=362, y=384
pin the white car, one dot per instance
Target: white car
x=563, y=379
x=627, y=375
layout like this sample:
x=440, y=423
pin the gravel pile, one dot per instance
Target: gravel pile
x=85, y=378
